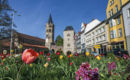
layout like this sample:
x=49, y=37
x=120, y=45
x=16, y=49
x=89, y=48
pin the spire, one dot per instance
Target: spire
x=50, y=19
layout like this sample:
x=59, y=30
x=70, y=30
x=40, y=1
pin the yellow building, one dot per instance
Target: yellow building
x=116, y=33
x=124, y=1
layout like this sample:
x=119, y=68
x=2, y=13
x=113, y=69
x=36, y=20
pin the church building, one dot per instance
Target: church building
x=49, y=32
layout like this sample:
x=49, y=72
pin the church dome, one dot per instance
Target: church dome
x=68, y=28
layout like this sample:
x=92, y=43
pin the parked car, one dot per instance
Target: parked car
x=119, y=52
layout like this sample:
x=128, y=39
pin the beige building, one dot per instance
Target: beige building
x=69, y=42
x=97, y=38
x=49, y=33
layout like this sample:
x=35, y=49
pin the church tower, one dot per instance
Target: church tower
x=49, y=32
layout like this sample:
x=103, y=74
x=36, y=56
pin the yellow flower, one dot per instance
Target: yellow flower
x=61, y=57
x=30, y=65
x=87, y=53
x=46, y=65
x=98, y=57
x=3, y=60
x=71, y=55
x=11, y=51
x=20, y=46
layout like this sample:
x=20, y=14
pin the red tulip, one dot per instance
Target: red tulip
x=76, y=54
x=69, y=56
x=2, y=63
x=2, y=57
x=29, y=55
x=41, y=53
x=8, y=55
x=71, y=63
x=48, y=54
x=58, y=53
x=48, y=59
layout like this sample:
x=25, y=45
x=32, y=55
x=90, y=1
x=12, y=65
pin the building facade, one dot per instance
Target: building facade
x=90, y=37
x=83, y=27
x=116, y=32
x=78, y=42
x=97, y=38
x=69, y=42
x=49, y=33
x=126, y=18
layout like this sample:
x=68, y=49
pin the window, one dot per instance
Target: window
x=112, y=2
x=68, y=45
x=100, y=38
x=110, y=23
x=111, y=12
x=113, y=22
x=93, y=33
x=114, y=32
x=129, y=12
x=96, y=32
x=68, y=34
x=120, y=32
x=104, y=37
x=103, y=28
x=118, y=20
x=111, y=35
x=49, y=30
x=116, y=8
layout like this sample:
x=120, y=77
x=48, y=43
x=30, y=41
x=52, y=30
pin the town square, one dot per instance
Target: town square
x=64, y=39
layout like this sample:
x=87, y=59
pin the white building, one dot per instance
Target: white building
x=126, y=18
x=78, y=42
x=83, y=27
x=96, y=35
x=69, y=42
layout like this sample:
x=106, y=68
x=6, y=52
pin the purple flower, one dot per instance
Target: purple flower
x=125, y=56
x=111, y=66
x=86, y=73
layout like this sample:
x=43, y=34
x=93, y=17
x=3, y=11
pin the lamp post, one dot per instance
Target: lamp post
x=12, y=32
x=11, y=41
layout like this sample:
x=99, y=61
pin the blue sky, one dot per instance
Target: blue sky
x=35, y=14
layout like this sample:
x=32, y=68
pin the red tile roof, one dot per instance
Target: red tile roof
x=30, y=37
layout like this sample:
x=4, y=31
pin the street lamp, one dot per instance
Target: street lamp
x=12, y=25
x=11, y=41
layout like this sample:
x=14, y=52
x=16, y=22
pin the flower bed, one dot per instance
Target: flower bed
x=60, y=67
